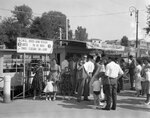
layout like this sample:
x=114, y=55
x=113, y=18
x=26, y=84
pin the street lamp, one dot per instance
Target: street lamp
x=132, y=10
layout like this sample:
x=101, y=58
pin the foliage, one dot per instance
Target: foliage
x=22, y=24
x=147, y=29
x=80, y=34
x=15, y=26
x=23, y=14
x=9, y=31
x=47, y=26
x=125, y=41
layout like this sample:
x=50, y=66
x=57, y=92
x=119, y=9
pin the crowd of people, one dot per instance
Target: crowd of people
x=97, y=76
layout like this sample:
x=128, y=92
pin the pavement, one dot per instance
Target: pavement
x=128, y=106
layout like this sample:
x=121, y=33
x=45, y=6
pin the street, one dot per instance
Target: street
x=128, y=106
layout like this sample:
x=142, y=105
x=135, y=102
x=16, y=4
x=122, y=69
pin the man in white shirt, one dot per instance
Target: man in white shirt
x=89, y=68
x=113, y=71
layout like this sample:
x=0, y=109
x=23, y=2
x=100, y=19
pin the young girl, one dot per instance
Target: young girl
x=66, y=83
x=49, y=89
x=96, y=92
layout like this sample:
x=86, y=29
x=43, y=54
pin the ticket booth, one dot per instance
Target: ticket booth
x=69, y=48
x=19, y=64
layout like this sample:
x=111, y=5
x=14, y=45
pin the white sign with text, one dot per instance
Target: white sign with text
x=104, y=46
x=28, y=45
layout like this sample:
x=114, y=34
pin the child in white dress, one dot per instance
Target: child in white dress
x=49, y=89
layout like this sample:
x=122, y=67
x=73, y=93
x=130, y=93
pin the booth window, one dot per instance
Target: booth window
x=13, y=63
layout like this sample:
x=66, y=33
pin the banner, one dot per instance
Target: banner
x=104, y=46
x=28, y=45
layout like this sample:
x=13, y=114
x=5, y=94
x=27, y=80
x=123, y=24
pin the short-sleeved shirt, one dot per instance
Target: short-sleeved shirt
x=113, y=70
x=89, y=67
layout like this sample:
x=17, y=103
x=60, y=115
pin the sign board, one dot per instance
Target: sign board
x=131, y=49
x=104, y=46
x=143, y=44
x=28, y=45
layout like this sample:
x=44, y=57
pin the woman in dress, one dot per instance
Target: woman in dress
x=146, y=75
x=96, y=73
x=55, y=75
x=80, y=80
x=37, y=79
x=66, y=83
x=138, y=77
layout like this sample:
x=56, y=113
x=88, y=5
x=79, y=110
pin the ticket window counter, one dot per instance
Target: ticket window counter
x=12, y=64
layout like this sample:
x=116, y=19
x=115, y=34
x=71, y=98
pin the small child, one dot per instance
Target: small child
x=96, y=92
x=66, y=83
x=48, y=90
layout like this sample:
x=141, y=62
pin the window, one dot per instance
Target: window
x=12, y=63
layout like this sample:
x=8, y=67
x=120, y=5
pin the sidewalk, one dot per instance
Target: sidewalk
x=128, y=106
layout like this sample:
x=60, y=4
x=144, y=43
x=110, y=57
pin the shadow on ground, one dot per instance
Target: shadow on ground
x=134, y=107
x=77, y=105
x=131, y=101
x=127, y=93
x=128, y=100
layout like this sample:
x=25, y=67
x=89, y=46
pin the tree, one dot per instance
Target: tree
x=148, y=20
x=21, y=24
x=48, y=25
x=125, y=41
x=23, y=14
x=35, y=28
x=15, y=26
x=80, y=34
x=9, y=31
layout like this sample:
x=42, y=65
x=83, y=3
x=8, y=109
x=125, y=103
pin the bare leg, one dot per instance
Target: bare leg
x=34, y=94
x=54, y=96
x=46, y=94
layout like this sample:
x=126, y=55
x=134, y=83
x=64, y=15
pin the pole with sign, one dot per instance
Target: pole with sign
x=24, y=79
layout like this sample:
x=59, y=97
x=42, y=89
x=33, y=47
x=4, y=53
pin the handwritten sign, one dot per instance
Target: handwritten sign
x=28, y=45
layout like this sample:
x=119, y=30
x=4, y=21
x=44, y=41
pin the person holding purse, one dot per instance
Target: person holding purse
x=55, y=75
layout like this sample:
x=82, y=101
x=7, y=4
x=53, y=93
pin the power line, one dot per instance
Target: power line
x=92, y=15
x=106, y=14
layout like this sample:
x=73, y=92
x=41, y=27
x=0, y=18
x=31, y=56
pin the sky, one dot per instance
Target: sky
x=103, y=19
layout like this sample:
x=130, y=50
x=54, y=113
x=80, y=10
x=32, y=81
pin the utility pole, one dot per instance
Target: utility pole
x=66, y=28
x=60, y=33
x=133, y=9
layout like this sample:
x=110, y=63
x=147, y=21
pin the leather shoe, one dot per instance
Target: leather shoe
x=106, y=109
x=113, y=108
x=86, y=99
